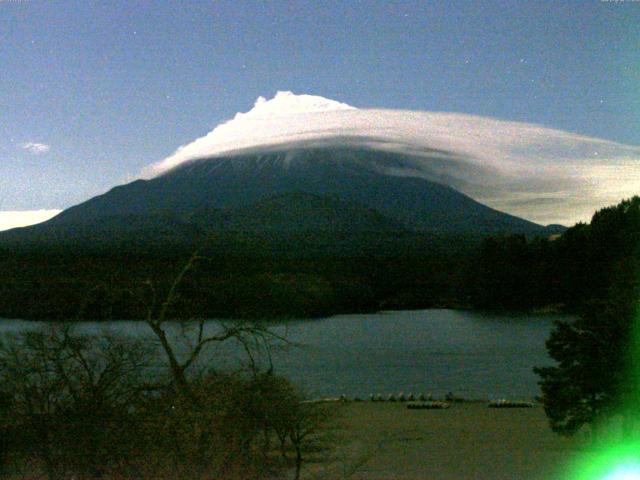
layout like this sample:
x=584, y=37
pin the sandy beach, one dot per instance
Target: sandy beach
x=466, y=441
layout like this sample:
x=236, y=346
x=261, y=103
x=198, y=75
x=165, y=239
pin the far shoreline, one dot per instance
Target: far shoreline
x=551, y=310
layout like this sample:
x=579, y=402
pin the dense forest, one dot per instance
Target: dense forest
x=310, y=276
x=577, y=267
x=239, y=277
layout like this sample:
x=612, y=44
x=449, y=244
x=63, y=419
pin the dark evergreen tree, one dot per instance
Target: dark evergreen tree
x=585, y=386
x=597, y=372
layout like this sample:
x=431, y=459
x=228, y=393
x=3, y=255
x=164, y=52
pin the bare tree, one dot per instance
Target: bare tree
x=216, y=408
x=252, y=336
x=71, y=396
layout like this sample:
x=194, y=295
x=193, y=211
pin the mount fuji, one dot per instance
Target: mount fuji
x=300, y=188
x=305, y=206
x=302, y=164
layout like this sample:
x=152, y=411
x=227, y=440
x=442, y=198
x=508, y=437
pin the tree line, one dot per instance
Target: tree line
x=256, y=277
x=569, y=270
x=251, y=278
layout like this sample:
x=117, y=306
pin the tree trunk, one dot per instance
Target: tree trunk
x=298, y=463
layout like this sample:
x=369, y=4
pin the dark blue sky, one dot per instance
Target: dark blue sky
x=113, y=86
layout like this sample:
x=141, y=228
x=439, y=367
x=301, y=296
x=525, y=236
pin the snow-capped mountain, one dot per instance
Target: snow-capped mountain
x=302, y=163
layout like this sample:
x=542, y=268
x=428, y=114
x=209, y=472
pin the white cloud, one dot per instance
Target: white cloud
x=563, y=176
x=14, y=219
x=36, y=148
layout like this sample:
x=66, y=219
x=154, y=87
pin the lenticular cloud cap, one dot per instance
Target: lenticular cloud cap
x=539, y=173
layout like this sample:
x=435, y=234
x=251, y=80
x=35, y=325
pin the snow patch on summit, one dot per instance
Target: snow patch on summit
x=288, y=103
x=268, y=122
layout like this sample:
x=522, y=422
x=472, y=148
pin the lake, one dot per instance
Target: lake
x=473, y=355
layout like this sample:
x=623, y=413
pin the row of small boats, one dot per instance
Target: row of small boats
x=401, y=397
x=426, y=402
x=504, y=403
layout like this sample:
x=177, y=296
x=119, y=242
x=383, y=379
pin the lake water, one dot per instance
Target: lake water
x=473, y=355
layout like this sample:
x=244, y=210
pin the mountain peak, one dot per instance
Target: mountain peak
x=269, y=121
x=286, y=103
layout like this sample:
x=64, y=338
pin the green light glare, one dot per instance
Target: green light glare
x=616, y=456
x=620, y=462
x=626, y=472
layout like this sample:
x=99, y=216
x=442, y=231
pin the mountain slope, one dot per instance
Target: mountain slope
x=280, y=217
x=297, y=213
x=298, y=186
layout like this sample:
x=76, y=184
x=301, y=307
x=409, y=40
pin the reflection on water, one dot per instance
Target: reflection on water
x=428, y=351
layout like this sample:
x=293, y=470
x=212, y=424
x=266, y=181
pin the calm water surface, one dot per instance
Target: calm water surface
x=473, y=355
